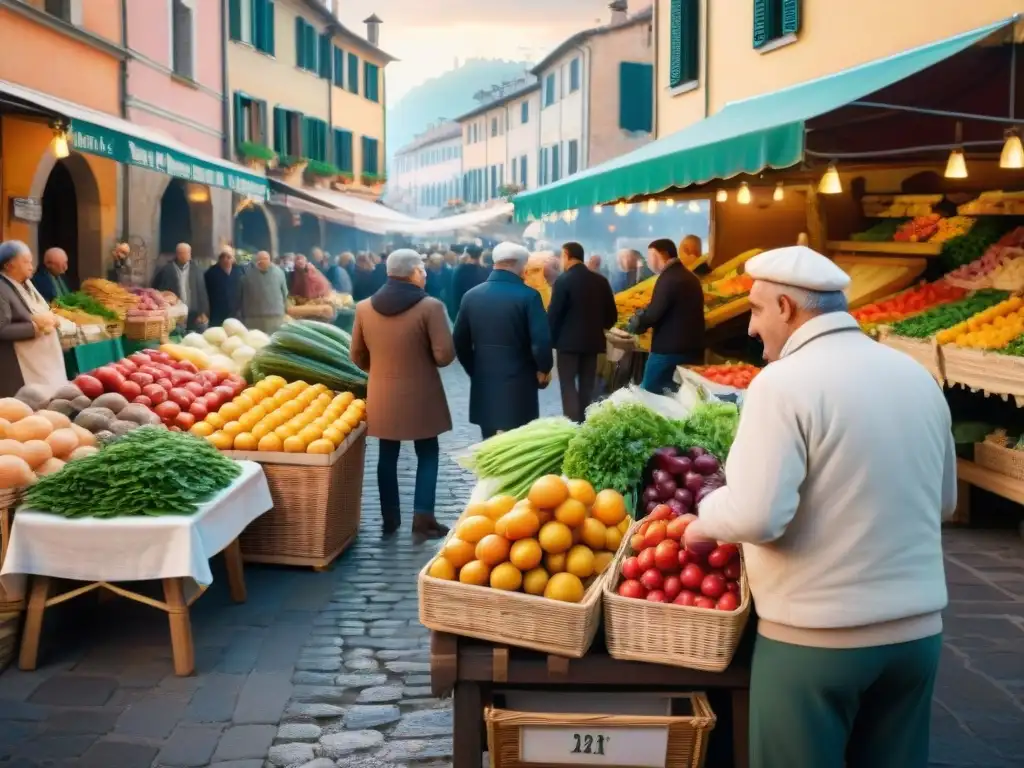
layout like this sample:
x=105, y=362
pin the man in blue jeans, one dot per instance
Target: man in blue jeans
x=676, y=314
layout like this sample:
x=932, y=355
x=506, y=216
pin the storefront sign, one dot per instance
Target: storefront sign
x=28, y=209
x=644, y=747
x=97, y=140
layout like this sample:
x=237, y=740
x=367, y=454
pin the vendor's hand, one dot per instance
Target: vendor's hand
x=634, y=324
x=543, y=379
x=696, y=540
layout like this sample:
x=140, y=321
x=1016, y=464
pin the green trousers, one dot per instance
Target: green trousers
x=826, y=708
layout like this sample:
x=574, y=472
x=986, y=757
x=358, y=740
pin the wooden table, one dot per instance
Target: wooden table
x=474, y=670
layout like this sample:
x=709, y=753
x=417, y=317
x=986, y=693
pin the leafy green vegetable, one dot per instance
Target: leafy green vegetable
x=148, y=472
x=881, y=232
x=944, y=316
x=965, y=248
x=520, y=456
x=614, y=444
x=712, y=426
x=82, y=302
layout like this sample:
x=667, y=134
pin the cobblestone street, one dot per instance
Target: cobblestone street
x=331, y=669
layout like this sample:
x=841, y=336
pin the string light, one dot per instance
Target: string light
x=694, y=206
x=60, y=142
x=721, y=196
x=652, y=206
x=669, y=202
x=622, y=209
x=1012, y=156
x=830, y=183
x=779, y=194
x=743, y=196
x=598, y=209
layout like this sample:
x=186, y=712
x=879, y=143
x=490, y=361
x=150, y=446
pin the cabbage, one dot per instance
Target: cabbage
x=215, y=336
x=195, y=341
x=232, y=343
x=256, y=339
x=234, y=327
x=243, y=354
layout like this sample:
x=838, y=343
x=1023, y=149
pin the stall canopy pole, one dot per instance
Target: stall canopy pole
x=935, y=112
x=902, y=150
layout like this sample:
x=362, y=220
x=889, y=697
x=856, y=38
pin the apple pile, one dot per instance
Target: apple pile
x=175, y=390
x=663, y=570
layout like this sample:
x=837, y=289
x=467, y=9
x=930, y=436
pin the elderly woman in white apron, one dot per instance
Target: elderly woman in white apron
x=30, y=351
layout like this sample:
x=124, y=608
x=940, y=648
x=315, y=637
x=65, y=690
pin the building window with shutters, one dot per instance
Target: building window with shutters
x=776, y=23
x=371, y=76
x=307, y=46
x=314, y=139
x=550, y=83
x=574, y=75
x=573, y=161
x=353, y=73
x=371, y=160
x=250, y=122
x=326, y=56
x=65, y=10
x=524, y=112
x=183, y=38
x=288, y=129
x=556, y=163
x=522, y=171
x=636, y=97
x=684, y=45
x=339, y=67
x=343, y=150
x=252, y=22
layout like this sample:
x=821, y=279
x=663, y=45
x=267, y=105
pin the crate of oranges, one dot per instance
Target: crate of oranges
x=311, y=443
x=527, y=572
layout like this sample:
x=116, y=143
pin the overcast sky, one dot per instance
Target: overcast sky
x=427, y=35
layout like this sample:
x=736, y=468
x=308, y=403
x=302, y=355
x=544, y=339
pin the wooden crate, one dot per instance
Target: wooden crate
x=980, y=370
x=10, y=610
x=317, y=506
x=999, y=458
x=925, y=351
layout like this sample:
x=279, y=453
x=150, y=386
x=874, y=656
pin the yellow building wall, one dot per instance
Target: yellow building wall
x=356, y=113
x=833, y=36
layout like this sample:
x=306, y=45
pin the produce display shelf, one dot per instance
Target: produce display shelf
x=971, y=474
x=898, y=249
x=925, y=351
x=725, y=312
x=900, y=273
x=984, y=371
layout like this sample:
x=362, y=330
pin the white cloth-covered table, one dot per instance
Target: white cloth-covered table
x=133, y=548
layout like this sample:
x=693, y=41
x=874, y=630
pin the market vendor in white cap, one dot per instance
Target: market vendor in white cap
x=840, y=476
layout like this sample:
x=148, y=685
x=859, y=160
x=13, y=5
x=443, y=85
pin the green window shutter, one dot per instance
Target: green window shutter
x=684, y=48
x=239, y=112
x=790, y=24
x=372, y=77
x=300, y=43
x=312, y=41
x=636, y=97
x=764, y=22
x=280, y=131
x=339, y=67
x=269, y=15
x=353, y=73
x=235, y=19
x=264, y=137
x=324, y=70
x=343, y=149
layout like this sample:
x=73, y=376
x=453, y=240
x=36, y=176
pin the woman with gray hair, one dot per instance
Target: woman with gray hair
x=30, y=351
x=401, y=338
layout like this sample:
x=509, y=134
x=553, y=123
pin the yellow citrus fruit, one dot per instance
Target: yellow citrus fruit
x=506, y=577
x=548, y=492
x=352, y=419
x=499, y=506
x=257, y=394
x=535, y=581
x=582, y=491
x=442, y=569
x=231, y=411
x=246, y=442
x=284, y=432
x=555, y=537
x=472, y=529
x=609, y=507
x=492, y=549
x=544, y=515
x=612, y=539
x=320, y=446
x=309, y=434
x=594, y=533
x=526, y=554
x=554, y=563
x=475, y=572
x=564, y=587
x=233, y=428
x=360, y=404
x=222, y=441
x=334, y=435
x=244, y=402
x=261, y=430
x=602, y=560
x=476, y=508
x=270, y=442
x=458, y=552
x=216, y=421
x=259, y=412
x=248, y=421
x=520, y=524
x=294, y=445
x=571, y=512
x=624, y=525
x=202, y=429
x=580, y=562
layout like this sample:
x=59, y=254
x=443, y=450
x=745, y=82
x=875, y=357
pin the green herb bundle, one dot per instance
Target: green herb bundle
x=148, y=472
x=712, y=426
x=83, y=302
x=520, y=456
x=936, y=319
x=965, y=248
x=614, y=444
x=881, y=232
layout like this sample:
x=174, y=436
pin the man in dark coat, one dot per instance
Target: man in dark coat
x=224, y=287
x=184, y=279
x=49, y=278
x=435, y=276
x=503, y=342
x=676, y=313
x=582, y=308
x=467, y=276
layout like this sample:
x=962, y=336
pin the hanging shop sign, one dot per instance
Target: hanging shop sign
x=97, y=140
x=28, y=209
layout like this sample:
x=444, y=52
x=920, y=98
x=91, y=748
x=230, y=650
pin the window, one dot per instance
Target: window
x=314, y=139
x=65, y=10
x=574, y=158
x=549, y=90
x=775, y=20
x=372, y=78
x=556, y=163
x=287, y=132
x=182, y=31
x=306, y=45
x=343, y=150
x=370, y=155
x=263, y=25
x=574, y=75
x=684, y=43
x=636, y=97
x=524, y=112
x=339, y=67
x=522, y=171
x=250, y=117
x=515, y=163
x=494, y=181
x=542, y=168
x=326, y=56
x=353, y=73
x=494, y=126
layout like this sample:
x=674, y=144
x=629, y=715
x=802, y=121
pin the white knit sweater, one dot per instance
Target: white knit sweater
x=842, y=471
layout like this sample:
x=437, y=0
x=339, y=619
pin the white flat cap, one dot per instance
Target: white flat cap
x=797, y=266
x=504, y=252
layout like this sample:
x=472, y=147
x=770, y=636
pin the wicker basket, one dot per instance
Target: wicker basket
x=114, y=329
x=511, y=618
x=150, y=329
x=925, y=351
x=687, y=735
x=316, y=510
x=665, y=633
x=998, y=458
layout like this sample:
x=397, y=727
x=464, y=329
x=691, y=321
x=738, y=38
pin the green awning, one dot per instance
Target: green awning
x=98, y=133
x=745, y=137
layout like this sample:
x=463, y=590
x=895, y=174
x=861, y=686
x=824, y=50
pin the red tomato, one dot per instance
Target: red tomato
x=728, y=602
x=704, y=602
x=732, y=570
x=685, y=597
x=143, y=400
x=713, y=586
x=199, y=410
x=185, y=420
x=661, y=512
x=646, y=559
x=692, y=576
x=632, y=589
x=129, y=389
x=655, y=534
x=155, y=392
x=631, y=568
x=195, y=388
x=636, y=542
x=666, y=556
x=656, y=596
x=652, y=579
x=672, y=588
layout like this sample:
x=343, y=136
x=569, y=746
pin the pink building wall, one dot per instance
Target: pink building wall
x=155, y=93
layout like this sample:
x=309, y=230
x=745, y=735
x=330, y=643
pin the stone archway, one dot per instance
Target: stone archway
x=252, y=231
x=71, y=214
x=184, y=215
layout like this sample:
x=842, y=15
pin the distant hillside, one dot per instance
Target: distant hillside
x=447, y=96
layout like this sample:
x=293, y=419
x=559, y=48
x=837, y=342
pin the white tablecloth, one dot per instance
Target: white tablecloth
x=133, y=548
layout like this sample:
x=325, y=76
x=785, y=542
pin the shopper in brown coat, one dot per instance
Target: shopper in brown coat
x=401, y=338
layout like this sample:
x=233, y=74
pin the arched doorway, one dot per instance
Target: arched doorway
x=71, y=218
x=298, y=232
x=59, y=225
x=175, y=217
x=252, y=231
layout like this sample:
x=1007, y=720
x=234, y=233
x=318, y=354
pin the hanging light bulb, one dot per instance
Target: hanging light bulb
x=694, y=206
x=830, y=183
x=956, y=165
x=60, y=142
x=1012, y=156
x=743, y=196
x=779, y=194
x=652, y=206
x=669, y=202
x=622, y=209
x=598, y=209
x=567, y=216
x=721, y=196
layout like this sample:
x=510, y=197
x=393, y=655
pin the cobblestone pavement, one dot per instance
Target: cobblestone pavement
x=331, y=669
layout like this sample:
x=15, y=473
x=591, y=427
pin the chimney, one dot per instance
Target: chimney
x=620, y=11
x=373, y=29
